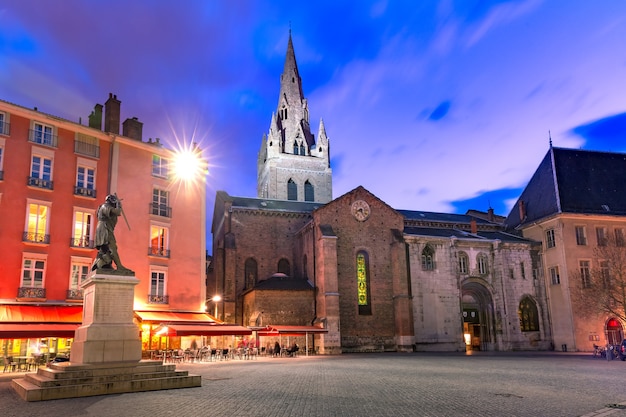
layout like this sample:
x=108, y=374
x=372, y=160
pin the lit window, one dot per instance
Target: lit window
x=528, y=316
x=83, y=227
x=362, y=280
x=159, y=237
x=550, y=242
x=159, y=166
x=37, y=219
x=581, y=236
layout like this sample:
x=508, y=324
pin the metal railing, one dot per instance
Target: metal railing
x=29, y=292
x=81, y=242
x=86, y=192
x=158, y=299
x=74, y=294
x=35, y=237
x=160, y=210
x=43, y=138
x=40, y=183
x=85, y=148
x=160, y=252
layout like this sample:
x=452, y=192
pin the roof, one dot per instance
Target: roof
x=283, y=282
x=573, y=181
x=275, y=205
x=441, y=217
x=461, y=234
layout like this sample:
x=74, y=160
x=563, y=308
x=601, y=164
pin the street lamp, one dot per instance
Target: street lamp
x=216, y=299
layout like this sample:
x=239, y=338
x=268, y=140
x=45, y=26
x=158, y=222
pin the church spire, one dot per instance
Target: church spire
x=290, y=81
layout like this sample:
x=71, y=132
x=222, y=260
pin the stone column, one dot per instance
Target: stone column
x=108, y=333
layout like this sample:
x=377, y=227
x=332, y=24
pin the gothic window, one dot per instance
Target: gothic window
x=292, y=190
x=308, y=192
x=483, y=264
x=302, y=150
x=295, y=148
x=284, y=267
x=528, y=317
x=250, y=272
x=363, y=283
x=428, y=258
x=463, y=263
x=305, y=273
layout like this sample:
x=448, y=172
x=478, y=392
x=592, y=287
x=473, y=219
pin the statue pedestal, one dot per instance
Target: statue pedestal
x=108, y=333
x=106, y=353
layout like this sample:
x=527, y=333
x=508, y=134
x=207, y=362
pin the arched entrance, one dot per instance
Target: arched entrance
x=614, y=331
x=478, y=317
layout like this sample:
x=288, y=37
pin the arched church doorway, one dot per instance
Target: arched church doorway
x=478, y=317
x=614, y=331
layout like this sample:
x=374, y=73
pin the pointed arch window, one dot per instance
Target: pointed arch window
x=528, y=316
x=284, y=267
x=428, y=258
x=250, y=273
x=363, y=283
x=302, y=150
x=292, y=190
x=309, y=194
x=483, y=264
x=463, y=263
x=296, y=148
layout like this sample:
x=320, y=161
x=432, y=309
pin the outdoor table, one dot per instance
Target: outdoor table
x=22, y=362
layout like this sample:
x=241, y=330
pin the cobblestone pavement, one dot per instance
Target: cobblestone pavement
x=383, y=384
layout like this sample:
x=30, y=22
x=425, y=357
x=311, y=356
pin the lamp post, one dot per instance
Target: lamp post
x=216, y=299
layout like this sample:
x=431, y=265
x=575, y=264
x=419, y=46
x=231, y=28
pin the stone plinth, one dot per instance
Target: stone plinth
x=108, y=333
x=106, y=353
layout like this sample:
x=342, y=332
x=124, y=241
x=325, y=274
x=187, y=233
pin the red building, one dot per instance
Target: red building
x=53, y=176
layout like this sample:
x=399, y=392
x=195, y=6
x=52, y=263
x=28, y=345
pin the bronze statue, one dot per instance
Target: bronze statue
x=105, y=237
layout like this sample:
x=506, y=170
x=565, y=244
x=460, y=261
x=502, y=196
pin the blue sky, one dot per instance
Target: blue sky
x=430, y=105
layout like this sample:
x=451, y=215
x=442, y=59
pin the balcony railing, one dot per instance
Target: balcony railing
x=35, y=237
x=74, y=294
x=158, y=299
x=81, y=242
x=85, y=148
x=86, y=192
x=160, y=252
x=43, y=138
x=40, y=183
x=160, y=210
x=4, y=128
x=29, y=292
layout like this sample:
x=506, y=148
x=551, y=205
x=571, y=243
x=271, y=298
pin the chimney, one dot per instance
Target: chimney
x=473, y=226
x=490, y=215
x=95, y=118
x=112, y=115
x=522, y=210
x=132, y=128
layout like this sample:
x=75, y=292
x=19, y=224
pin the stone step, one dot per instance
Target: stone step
x=42, y=380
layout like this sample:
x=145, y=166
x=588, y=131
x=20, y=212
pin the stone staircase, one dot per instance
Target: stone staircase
x=67, y=380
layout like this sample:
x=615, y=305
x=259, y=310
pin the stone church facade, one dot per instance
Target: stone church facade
x=374, y=278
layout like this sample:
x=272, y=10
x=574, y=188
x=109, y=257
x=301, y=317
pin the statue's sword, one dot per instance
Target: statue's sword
x=123, y=213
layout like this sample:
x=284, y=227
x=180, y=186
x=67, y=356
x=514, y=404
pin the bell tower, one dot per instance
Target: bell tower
x=292, y=165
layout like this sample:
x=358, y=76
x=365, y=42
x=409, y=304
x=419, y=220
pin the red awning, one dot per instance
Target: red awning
x=201, y=330
x=40, y=314
x=33, y=330
x=174, y=317
x=288, y=330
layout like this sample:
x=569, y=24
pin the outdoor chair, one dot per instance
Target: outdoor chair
x=9, y=364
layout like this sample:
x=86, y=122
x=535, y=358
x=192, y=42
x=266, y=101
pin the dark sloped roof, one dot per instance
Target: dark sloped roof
x=440, y=217
x=280, y=205
x=588, y=182
x=283, y=282
x=460, y=234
